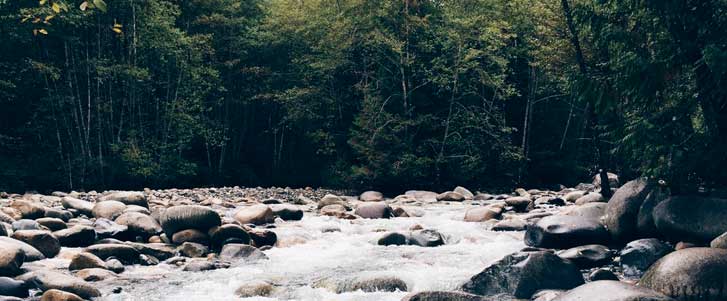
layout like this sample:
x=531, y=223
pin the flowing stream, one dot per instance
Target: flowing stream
x=314, y=255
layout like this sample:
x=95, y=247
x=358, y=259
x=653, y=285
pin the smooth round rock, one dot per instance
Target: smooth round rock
x=59, y=295
x=47, y=280
x=688, y=218
x=53, y=224
x=124, y=253
x=139, y=223
x=11, y=258
x=588, y=256
x=287, y=212
x=84, y=207
x=254, y=289
x=12, y=287
x=638, y=255
x=127, y=197
x=698, y=274
x=41, y=240
x=609, y=290
x=373, y=284
x=450, y=196
x=720, y=242
x=31, y=253
x=392, y=239
x=219, y=235
x=257, y=214
x=592, y=197
x=622, y=212
x=238, y=252
x=520, y=203
x=482, y=214
x=371, y=196
x=76, y=236
x=426, y=238
x=28, y=209
x=190, y=235
x=108, y=209
x=330, y=199
x=85, y=260
x=602, y=274
x=562, y=231
x=189, y=217
x=374, y=210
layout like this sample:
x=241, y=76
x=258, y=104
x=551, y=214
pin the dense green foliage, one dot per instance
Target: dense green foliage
x=361, y=93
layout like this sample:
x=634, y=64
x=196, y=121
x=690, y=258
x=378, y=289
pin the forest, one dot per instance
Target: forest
x=361, y=94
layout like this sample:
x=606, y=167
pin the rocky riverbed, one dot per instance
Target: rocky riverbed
x=311, y=244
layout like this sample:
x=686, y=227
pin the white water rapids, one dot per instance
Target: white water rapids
x=310, y=256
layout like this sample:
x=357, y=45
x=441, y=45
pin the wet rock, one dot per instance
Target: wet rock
x=148, y=260
x=374, y=210
x=158, y=250
x=330, y=199
x=602, y=274
x=373, y=284
x=26, y=224
x=115, y=265
x=59, y=295
x=637, y=256
x=511, y=224
x=51, y=223
x=468, y=195
x=141, y=224
x=573, y=196
x=127, y=197
x=371, y=196
x=521, y=204
x=108, y=209
x=190, y=235
x=450, y=196
x=256, y=214
x=392, y=239
x=189, y=217
x=106, y=228
x=12, y=287
x=690, y=274
x=444, y=296
x=645, y=224
x=426, y=238
x=623, y=209
x=336, y=210
x=547, y=295
x=254, y=289
x=593, y=211
x=95, y=274
x=524, y=273
x=28, y=209
x=11, y=258
x=482, y=214
x=58, y=213
x=592, y=197
x=562, y=231
x=236, y=252
x=42, y=240
x=691, y=218
x=85, y=260
x=222, y=234
x=262, y=238
x=31, y=253
x=84, y=207
x=199, y=265
x=588, y=256
x=76, y=236
x=719, y=242
x=47, y=280
x=287, y=212
x=191, y=249
x=126, y=254
x=609, y=290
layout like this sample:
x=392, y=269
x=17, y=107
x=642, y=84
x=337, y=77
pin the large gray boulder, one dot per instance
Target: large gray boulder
x=610, y=290
x=645, y=220
x=623, y=210
x=139, y=223
x=638, y=255
x=563, y=231
x=524, y=273
x=188, y=217
x=46, y=280
x=374, y=210
x=698, y=274
x=691, y=218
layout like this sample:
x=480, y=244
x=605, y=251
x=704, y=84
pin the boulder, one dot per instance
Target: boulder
x=524, y=273
x=76, y=236
x=468, y=195
x=226, y=233
x=638, y=255
x=95, y=274
x=593, y=211
x=108, y=209
x=330, y=199
x=26, y=224
x=610, y=290
x=425, y=238
x=11, y=258
x=690, y=274
x=127, y=197
x=51, y=223
x=336, y=210
x=83, y=207
x=573, y=196
x=450, y=196
x=602, y=274
x=691, y=218
x=58, y=213
x=287, y=212
x=371, y=196
x=645, y=220
x=443, y=296
x=85, y=260
x=256, y=214
x=262, y=238
x=510, y=224
x=106, y=228
x=59, y=295
x=623, y=209
x=563, y=231
x=12, y=287
x=613, y=180
x=719, y=242
x=588, y=256
x=190, y=235
x=46, y=280
x=236, y=252
x=254, y=289
x=157, y=250
x=41, y=240
x=31, y=253
x=482, y=214
x=374, y=210
x=140, y=224
x=392, y=239
x=192, y=249
x=28, y=209
x=189, y=217
x=126, y=254
x=591, y=197
x=372, y=284
x=520, y=203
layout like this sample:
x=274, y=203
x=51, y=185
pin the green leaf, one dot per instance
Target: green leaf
x=100, y=4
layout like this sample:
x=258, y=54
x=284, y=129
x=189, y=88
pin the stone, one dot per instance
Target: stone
x=59, y=295
x=645, y=224
x=192, y=249
x=236, y=252
x=637, y=256
x=482, y=214
x=468, y=195
x=189, y=217
x=58, y=213
x=51, y=223
x=287, y=212
x=588, y=256
x=28, y=209
x=426, y=238
x=255, y=214
x=76, y=236
x=443, y=296
x=254, y=289
x=199, y=265
x=573, y=196
x=95, y=274
x=26, y=224
x=691, y=218
x=161, y=251
x=46, y=280
x=373, y=284
x=593, y=211
x=719, y=242
x=12, y=287
x=115, y=265
x=520, y=203
x=623, y=209
x=108, y=209
x=563, y=231
x=141, y=224
x=392, y=239
x=106, y=228
x=11, y=259
x=547, y=295
x=127, y=197
x=591, y=197
x=262, y=238
x=225, y=233
x=124, y=253
x=690, y=274
x=610, y=290
x=524, y=273
x=336, y=210
x=330, y=199
x=371, y=196
x=613, y=180
x=510, y=224
x=374, y=210
x=602, y=274
x=83, y=207
x=85, y=260
x=450, y=196
x=190, y=235
x=684, y=245
x=31, y=253
x=41, y=240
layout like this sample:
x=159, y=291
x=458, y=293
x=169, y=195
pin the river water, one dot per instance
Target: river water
x=310, y=259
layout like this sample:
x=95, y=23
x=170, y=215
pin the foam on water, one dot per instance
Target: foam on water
x=311, y=261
